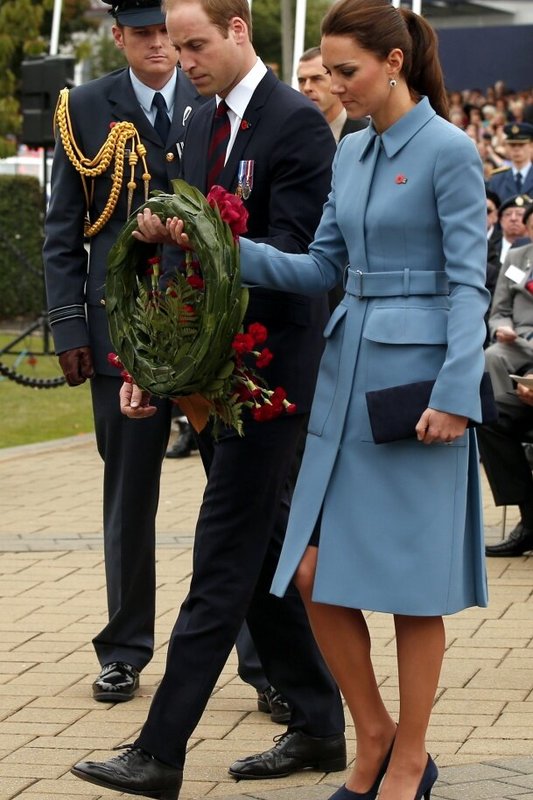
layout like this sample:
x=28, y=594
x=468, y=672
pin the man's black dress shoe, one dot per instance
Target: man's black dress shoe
x=293, y=751
x=116, y=683
x=184, y=444
x=135, y=772
x=270, y=701
x=519, y=541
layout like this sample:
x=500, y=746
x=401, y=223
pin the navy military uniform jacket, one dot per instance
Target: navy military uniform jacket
x=75, y=278
x=503, y=183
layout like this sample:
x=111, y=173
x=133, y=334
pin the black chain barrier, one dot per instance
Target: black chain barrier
x=27, y=380
x=10, y=372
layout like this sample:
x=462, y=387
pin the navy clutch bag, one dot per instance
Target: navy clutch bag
x=394, y=411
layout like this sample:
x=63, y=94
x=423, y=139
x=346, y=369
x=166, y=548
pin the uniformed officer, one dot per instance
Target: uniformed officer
x=141, y=112
x=517, y=177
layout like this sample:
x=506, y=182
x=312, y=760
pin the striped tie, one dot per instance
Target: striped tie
x=220, y=135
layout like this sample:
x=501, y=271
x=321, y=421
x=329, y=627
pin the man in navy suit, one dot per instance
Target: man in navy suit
x=75, y=288
x=279, y=155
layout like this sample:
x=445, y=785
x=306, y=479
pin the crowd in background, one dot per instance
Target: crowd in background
x=484, y=114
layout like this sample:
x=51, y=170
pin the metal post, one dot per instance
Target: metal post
x=299, y=37
x=56, y=24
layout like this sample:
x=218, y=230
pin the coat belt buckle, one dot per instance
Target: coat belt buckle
x=360, y=274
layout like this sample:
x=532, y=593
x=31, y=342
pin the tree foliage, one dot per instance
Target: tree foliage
x=25, y=27
x=267, y=26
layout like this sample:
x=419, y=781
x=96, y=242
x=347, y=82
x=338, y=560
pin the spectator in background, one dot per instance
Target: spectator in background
x=494, y=233
x=502, y=453
x=527, y=219
x=315, y=82
x=511, y=219
x=517, y=178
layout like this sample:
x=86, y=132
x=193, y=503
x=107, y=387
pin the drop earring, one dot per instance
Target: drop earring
x=392, y=83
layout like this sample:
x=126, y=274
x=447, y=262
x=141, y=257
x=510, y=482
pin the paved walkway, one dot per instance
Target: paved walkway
x=52, y=601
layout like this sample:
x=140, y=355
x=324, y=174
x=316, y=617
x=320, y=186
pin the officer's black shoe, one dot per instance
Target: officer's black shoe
x=270, y=701
x=519, y=541
x=184, y=444
x=116, y=683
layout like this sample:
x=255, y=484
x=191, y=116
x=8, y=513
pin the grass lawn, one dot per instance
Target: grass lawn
x=32, y=415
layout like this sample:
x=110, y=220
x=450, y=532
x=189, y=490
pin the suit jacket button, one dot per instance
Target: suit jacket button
x=170, y=156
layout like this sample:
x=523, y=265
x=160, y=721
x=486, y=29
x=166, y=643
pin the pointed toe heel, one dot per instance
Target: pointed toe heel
x=428, y=780
x=346, y=794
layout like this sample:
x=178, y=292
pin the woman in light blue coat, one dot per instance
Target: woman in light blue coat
x=389, y=527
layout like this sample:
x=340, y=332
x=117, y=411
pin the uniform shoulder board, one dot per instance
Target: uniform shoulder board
x=499, y=170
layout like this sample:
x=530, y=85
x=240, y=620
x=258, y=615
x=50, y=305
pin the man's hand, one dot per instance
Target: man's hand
x=152, y=231
x=77, y=365
x=505, y=334
x=525, y=394
x=134, y=403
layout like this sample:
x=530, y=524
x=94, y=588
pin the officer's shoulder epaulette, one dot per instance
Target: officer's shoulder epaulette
x=499, y=170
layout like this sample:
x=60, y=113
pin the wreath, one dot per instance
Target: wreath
x=178, y=333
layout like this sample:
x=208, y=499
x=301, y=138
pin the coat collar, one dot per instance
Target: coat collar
x=402, y=131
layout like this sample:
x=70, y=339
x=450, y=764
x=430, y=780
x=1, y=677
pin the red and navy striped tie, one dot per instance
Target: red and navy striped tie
x=220, y=136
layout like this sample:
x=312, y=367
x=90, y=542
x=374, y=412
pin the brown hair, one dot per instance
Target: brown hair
x=379, y=27
x=220, y=12
x=310, y=54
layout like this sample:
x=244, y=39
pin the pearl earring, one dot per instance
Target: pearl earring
x=392, y=83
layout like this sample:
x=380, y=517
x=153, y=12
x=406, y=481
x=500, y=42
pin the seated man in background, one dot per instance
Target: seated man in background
x=502, y=453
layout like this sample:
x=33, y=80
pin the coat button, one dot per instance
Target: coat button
x=170, y=156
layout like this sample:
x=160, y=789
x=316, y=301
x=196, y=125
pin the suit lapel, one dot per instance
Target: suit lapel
x=185, y=100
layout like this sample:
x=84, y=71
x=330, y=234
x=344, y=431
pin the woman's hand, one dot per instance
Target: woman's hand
x=435, y=427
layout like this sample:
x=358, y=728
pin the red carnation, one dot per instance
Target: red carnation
x=243, y=343
x=258, y=331
x=115, y=361
x=264, y=358
x=195, y=281
x=231, y=209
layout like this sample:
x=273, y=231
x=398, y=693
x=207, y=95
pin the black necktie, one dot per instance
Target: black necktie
x=162, y=122
x=518, y=181
x=220, y=135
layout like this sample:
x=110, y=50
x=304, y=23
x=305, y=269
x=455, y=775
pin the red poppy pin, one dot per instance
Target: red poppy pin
x=112, y=125
x=245, y=125
x=400, y=178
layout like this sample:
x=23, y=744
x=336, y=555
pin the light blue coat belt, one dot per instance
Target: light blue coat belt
x=395, y=284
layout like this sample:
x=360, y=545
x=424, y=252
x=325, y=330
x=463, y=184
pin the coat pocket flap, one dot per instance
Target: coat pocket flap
x=337, y=315
x=407, y=325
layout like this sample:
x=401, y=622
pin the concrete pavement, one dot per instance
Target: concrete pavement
x=52, y=600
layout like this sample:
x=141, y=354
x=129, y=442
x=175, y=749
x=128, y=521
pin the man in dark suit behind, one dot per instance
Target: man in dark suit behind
x=75, y=288
x=315, y=83
x=278, y=157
